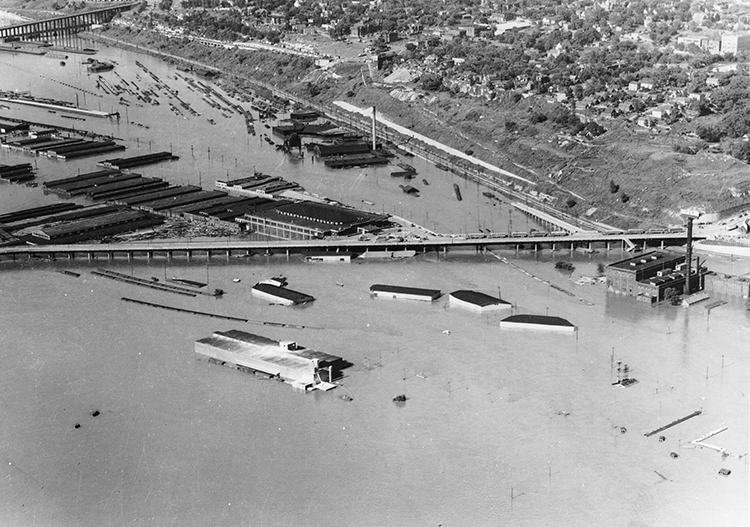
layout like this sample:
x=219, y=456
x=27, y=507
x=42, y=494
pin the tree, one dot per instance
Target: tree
x=740, y=150
x=672, y=296
x=614, y=188
x=431, y=82
x=624, y=198
x=710, y=134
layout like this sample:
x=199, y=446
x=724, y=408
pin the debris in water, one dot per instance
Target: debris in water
x=399, y=399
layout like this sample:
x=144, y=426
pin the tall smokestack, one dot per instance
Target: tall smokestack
x=689, y=255
x=374, y=120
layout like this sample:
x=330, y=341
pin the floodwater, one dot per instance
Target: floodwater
x=499, y=427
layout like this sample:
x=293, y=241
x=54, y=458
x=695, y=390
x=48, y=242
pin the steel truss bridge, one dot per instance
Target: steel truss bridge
x=66, y=25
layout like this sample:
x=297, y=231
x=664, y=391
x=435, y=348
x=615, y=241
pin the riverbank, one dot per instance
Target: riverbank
x=110, y=418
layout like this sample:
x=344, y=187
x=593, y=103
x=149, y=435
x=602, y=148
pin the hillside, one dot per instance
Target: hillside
x=628, y=176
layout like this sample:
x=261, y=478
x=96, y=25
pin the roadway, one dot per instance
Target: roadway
x=342, y=244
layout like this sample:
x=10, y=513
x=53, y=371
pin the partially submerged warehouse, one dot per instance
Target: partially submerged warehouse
x=303, y=368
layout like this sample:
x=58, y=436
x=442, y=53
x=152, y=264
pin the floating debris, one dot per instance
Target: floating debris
x=399, y=399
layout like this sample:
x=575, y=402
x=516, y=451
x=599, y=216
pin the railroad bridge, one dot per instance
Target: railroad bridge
x=66, y=25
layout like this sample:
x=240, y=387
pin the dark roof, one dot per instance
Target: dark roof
x=343, y=149
x=538, y=319
x=654, y=259
x=317, y=216
x=184, y=199
x=160, y=194
x=477, y=298
x=405, y=290
x=325, y=213
x=283, y=292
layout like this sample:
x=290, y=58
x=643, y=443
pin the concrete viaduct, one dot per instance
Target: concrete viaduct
x=236, y=247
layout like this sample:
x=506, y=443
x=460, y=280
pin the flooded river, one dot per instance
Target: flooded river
x=110, y=418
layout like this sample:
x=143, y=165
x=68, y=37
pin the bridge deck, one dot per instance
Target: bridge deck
x=229, y=244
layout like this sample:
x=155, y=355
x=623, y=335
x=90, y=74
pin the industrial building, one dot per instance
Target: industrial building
x=303, y=368
x=96, y=227
x=257, y=185
x=310, y=220
x=406, y=293
x=648, y=276
x=477, y=302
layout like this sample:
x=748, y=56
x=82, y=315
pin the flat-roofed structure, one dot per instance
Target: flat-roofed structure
x=342, y=149
x=280, y=295
x=166, y=205
x=623, y=276
x=257, y=185
x=537, y=323
x=308, y=220
x=285, y=360
x=648, y=276
x=406, y=293
x=96, y=227
x=159, y=194
x=477, y=302
x=8, y=127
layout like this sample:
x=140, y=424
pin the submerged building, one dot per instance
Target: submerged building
x=538, y=323
x=406, y=293
x=303, y=368
x=268, y=290
x=648, y=276
x=478, y=302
